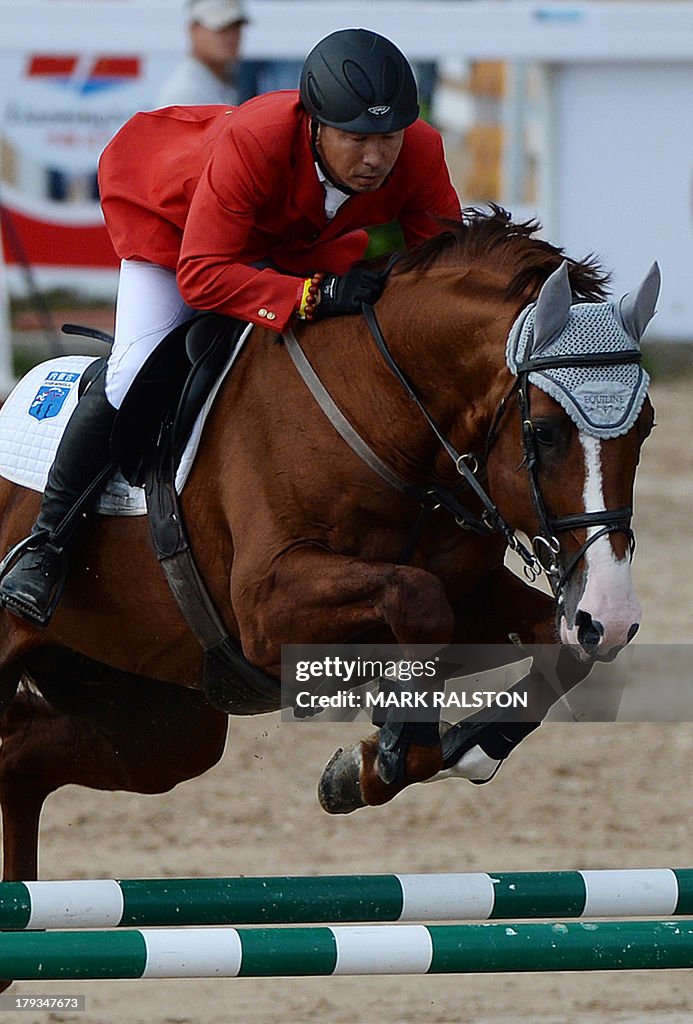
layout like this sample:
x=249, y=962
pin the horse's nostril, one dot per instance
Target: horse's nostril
x=633, y=630
x=590, y=631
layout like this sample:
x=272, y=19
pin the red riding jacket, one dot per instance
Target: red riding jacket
x=209, y=190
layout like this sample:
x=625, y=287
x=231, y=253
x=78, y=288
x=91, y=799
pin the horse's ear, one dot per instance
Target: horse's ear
x=553, y=306
x=636, y=309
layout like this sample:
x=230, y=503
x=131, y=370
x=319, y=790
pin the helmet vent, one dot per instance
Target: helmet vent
x=360, y=82
x=313, y=92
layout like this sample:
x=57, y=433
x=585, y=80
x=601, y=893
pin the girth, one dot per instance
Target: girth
x=231, y=682
x=150, y=434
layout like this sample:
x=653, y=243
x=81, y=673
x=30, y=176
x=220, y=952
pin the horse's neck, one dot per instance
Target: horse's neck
x=450, y=342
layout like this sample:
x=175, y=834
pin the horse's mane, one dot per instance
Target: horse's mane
x=493, y=237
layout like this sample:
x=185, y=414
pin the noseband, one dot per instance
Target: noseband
x=546, y=545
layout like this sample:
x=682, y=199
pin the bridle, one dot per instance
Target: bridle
x=546, y=545
x=545, y=550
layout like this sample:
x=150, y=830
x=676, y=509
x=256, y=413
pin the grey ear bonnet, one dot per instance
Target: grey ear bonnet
x=602, y=401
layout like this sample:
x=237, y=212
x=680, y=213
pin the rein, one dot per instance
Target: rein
x=546, y=545
x=491, y=519
x=432, y=495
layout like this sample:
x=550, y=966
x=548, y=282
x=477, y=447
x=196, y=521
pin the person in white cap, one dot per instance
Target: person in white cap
x=208, y=72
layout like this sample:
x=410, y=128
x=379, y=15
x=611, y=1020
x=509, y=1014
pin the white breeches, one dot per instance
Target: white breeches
x=149, y=305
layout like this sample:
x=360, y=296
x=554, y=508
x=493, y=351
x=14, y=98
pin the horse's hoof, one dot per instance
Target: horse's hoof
x=339, y=789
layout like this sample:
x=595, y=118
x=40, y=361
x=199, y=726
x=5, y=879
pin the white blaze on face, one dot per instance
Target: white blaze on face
x=608, y=596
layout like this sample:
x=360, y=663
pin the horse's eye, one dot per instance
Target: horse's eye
x=547, y=432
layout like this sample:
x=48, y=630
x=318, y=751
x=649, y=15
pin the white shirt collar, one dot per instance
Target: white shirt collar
x=334, y=197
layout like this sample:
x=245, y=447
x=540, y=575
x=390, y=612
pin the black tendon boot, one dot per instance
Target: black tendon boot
x=33, y=585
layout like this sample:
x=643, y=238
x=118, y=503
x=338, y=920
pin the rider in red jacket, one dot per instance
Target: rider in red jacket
x=257, y=212
x=224, y=189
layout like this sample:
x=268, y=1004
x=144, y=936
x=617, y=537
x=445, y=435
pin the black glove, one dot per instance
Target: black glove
x=344, y=294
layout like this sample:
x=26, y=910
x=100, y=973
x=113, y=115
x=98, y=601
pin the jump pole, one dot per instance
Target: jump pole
x=107, y=903
x=345, y=950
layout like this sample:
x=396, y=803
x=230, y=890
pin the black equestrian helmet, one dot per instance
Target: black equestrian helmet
x=357, y=80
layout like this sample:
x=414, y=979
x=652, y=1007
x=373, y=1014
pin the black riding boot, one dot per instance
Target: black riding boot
x=33, y=585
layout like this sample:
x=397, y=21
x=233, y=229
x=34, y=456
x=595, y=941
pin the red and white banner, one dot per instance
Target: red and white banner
x=58, y=112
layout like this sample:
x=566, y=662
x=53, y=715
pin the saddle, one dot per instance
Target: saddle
x=170, y=390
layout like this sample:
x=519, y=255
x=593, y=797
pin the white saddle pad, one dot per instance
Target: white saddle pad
x=34, y=416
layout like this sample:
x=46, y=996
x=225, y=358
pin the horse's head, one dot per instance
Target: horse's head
x=487, y=318
x=562, y=472
x=584, y=414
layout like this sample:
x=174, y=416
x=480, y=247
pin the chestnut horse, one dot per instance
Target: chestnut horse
x=310, y=531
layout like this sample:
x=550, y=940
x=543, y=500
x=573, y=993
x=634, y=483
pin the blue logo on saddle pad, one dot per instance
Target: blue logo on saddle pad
x=50, y=397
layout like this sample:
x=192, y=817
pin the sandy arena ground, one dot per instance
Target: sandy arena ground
x=573, y=796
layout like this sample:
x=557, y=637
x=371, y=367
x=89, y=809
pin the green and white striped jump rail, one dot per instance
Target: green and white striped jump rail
x=106, y=903
x=346, y=950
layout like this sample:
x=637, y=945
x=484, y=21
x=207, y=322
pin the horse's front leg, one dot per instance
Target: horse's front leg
x=500, y=614
x=316, y=597
x=512, y=620
x=313, y=596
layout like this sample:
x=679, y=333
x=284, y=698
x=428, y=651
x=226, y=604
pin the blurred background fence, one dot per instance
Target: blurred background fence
x=577, y=114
